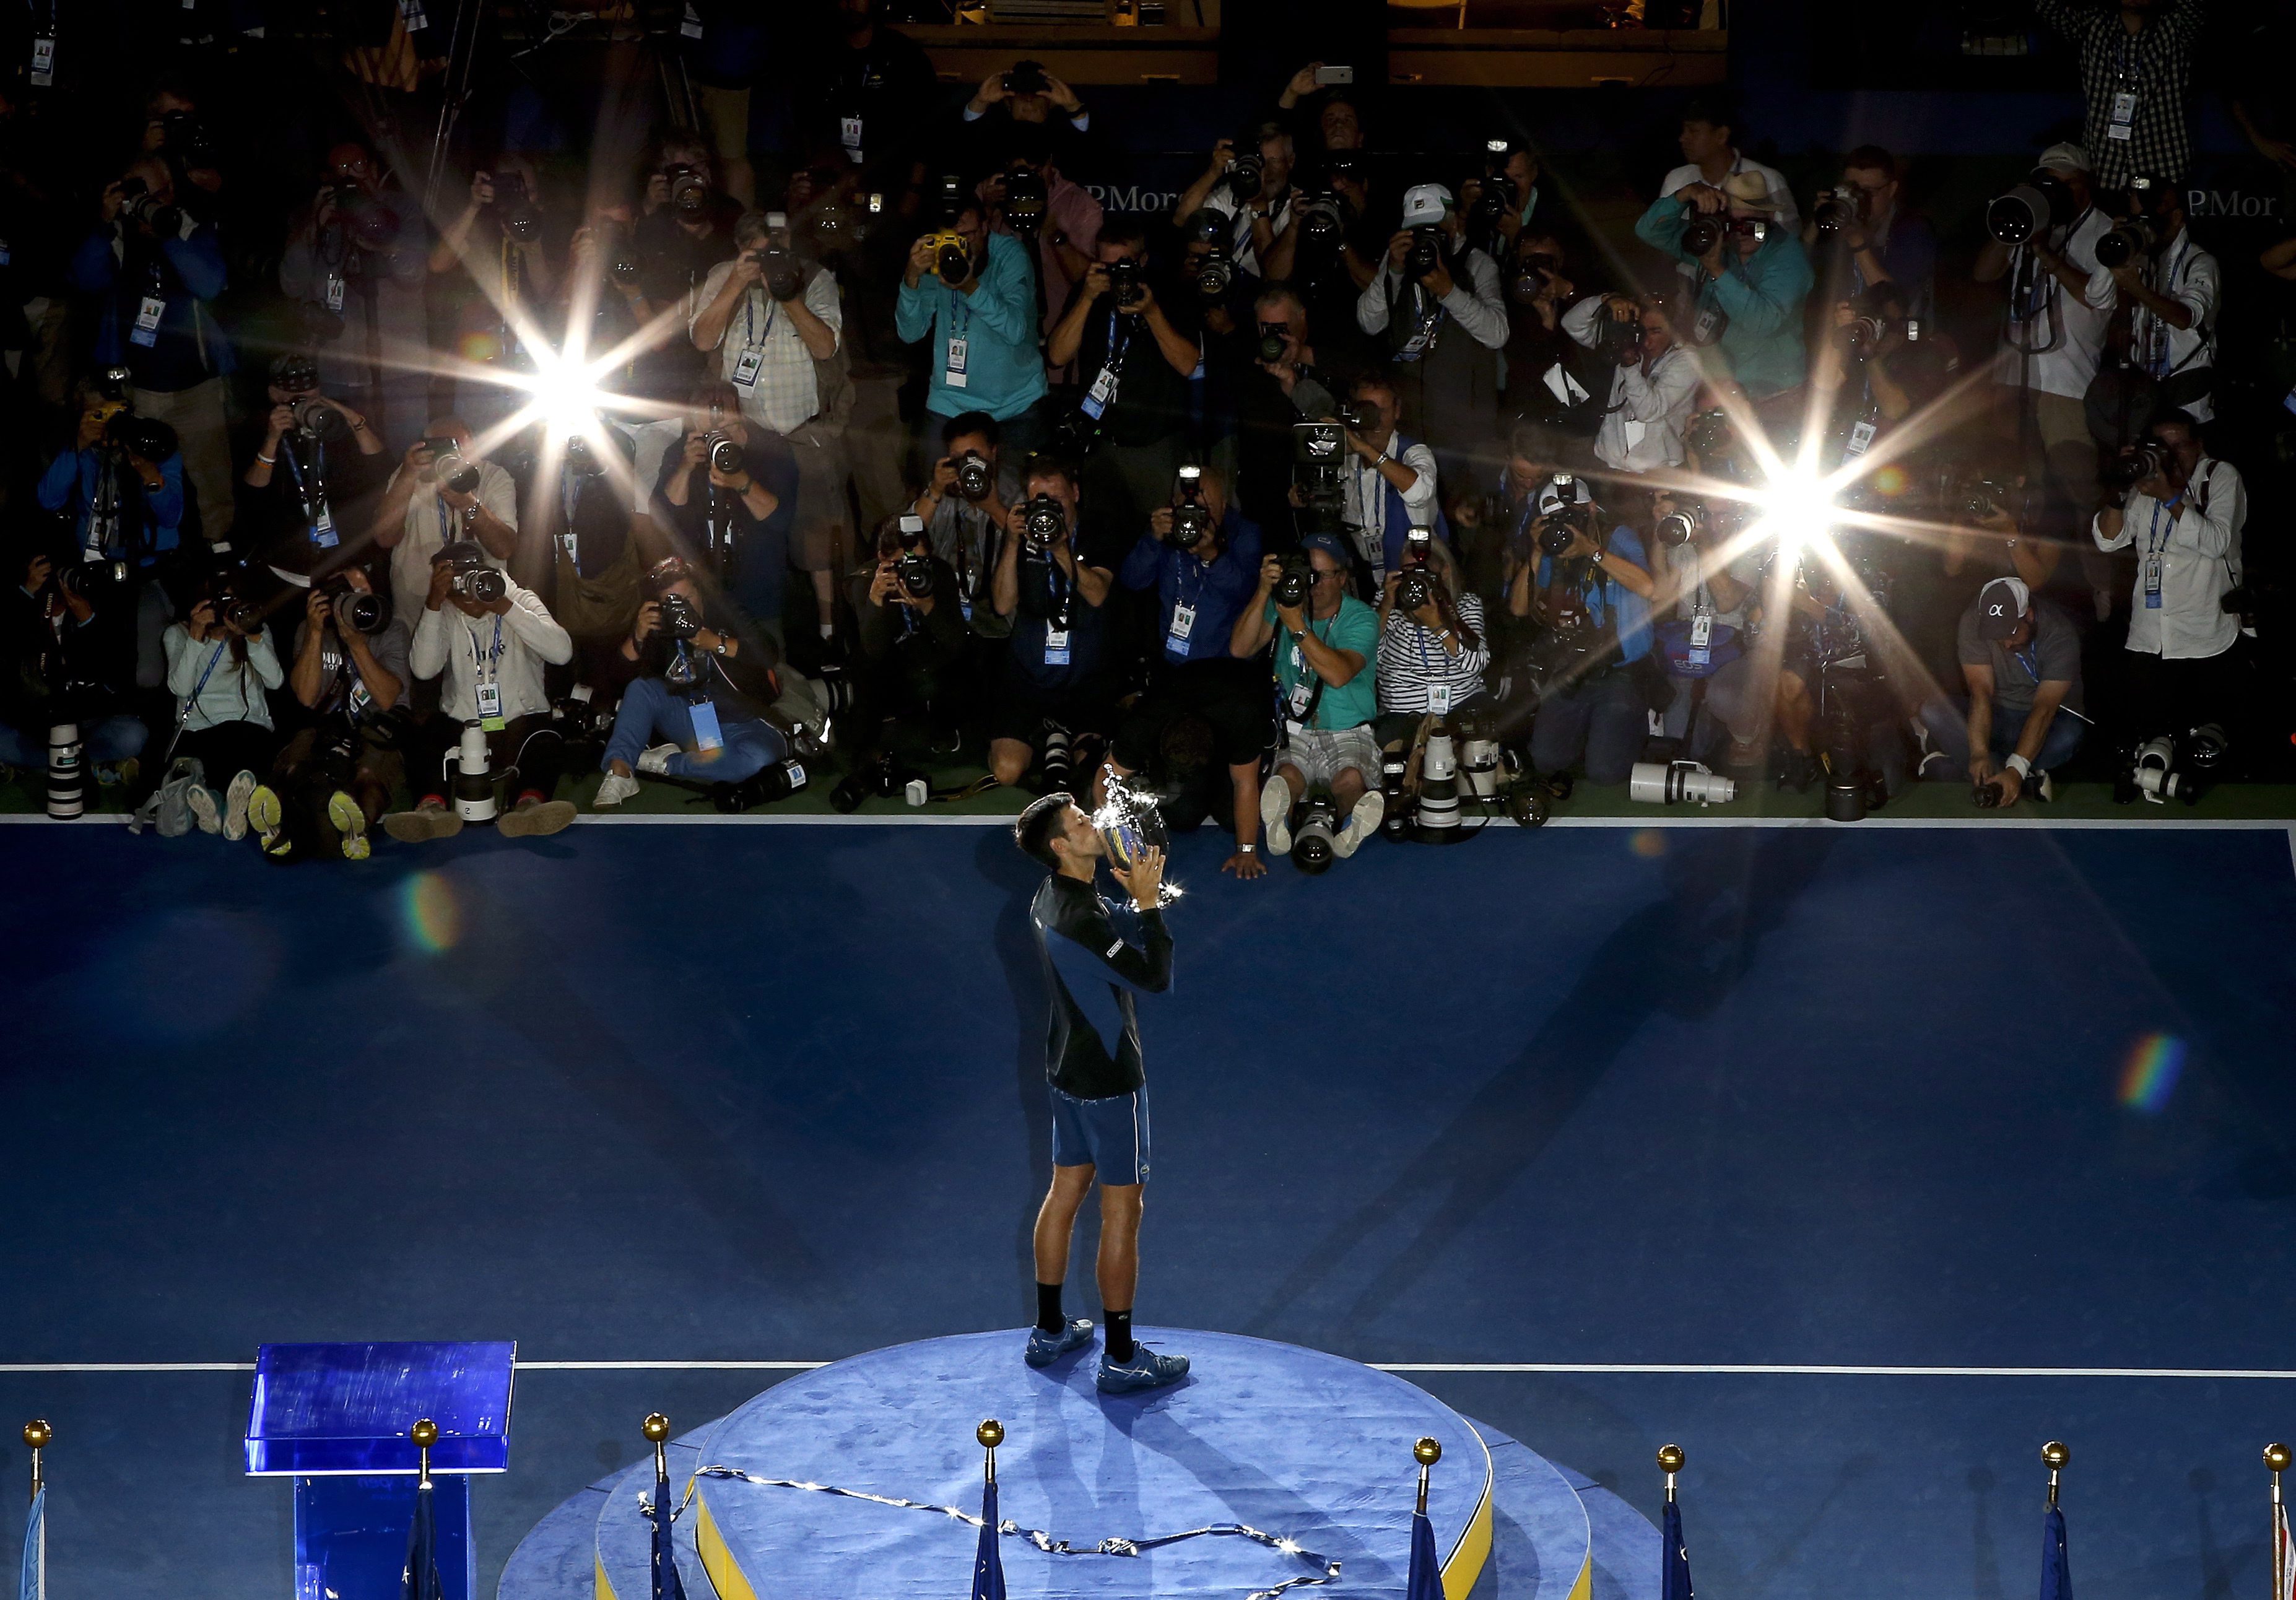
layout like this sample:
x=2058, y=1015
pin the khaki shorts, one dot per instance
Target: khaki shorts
x=1322, y=754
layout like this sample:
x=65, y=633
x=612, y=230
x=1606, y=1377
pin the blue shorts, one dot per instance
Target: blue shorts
x=1109, y=1134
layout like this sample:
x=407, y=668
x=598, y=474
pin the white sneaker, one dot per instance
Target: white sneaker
x=1362, y=823
x=207, y=808
x=656, y=761
x=1276, y=814
x=235, y=812
x=613, y=792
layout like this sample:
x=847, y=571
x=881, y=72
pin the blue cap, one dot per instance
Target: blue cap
x=1330, y=544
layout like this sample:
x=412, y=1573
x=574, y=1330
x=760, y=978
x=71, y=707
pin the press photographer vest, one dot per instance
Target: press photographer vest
x=1452, y=376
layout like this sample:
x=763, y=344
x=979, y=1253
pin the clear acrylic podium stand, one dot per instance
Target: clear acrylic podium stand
x=335, y=1417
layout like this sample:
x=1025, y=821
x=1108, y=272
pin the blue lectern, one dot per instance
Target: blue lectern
x=335, y=1417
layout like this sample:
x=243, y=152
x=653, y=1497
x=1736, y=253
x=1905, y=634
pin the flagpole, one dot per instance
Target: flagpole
x=656, y=1429
x=1669, y=1462
x=424, y=1434
x=990, y=1433
x=1427, y=1452
x=37, y=1435
x=2276, y=1457
x=2055, y=1455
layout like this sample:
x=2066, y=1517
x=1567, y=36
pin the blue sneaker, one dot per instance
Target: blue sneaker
x=1146, y=1370
x=1045, y=1348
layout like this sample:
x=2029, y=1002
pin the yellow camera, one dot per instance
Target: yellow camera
x=952, y=260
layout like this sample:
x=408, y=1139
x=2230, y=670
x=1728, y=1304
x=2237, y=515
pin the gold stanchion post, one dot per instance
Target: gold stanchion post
x=1427, y=1452
x=2055, y=1455
x=1669, y=1462
x=656, y=1429
x=2276, y=1457
x=38, y=1435
x=424, y=1434
x=990, y=1433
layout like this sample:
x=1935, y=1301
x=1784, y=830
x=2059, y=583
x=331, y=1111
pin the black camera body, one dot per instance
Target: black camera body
x=1622, y=340
x=513, y=209
x=1215, y=273
x=681, y=618
x=1319, y=451
x=1025, y=199
x=1835, y=210
x=475, y=578
x=1320, y=221
x=783, y=278
x=1711, y=434
x=689, y=190
x=1246, y=175
x=725, y=454
x=1490, y=208
x=973, y=478
x=1425, y=252
x=146, y=438
x=138, y=204
x=1979, y=498
x=1026, y=78
x=1192, y=518
x=2134, y=463
x=1044, y=523
x=1124, y=283
x=1416, y=589
x=1274, y=337
x=1294, y=583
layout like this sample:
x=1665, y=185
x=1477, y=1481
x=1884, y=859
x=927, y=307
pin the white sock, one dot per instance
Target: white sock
x=829, y=630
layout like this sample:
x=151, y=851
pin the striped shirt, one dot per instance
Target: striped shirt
x=2155, y=64
x=1412, y=660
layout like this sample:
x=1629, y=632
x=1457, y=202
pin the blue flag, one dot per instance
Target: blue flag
x=36, y=1550
x=667, y=1584
x=1674, y=1561
x=1426, y=1580
x=988, y=1563
x=421, y=1579
x=2056, y=1572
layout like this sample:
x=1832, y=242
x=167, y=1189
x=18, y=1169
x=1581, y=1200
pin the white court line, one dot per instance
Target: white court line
x=1565, y=1368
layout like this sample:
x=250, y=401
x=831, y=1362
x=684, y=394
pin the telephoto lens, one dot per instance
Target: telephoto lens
x=316, y=419
x=1700, y=235
x=1672, y=783
x=1059, y=764
x=689, y=191
x=1438, y=789
x=973, y=481
x=355, y=608
x=775, y=781
x=1311, y=840
x=1275, y=338
x=486, y=585
x=1394, y=766
x=2041, y=203
x=1479, y=754
x=1833, y=212
x=1426, y=253
x=2132, y=238
x=1677, y=529
x=453, y=471
x=725, y=455
x=474, y=779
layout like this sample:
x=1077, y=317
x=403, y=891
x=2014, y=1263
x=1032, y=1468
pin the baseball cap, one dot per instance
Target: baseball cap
x=1423, y=205
x=1330, y=544
x=2063, y=158
x=1551, y=494
x=1999, y=604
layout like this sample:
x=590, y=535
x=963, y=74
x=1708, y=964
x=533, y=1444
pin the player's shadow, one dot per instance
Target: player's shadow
x=1017, y=879
x=1682, y=955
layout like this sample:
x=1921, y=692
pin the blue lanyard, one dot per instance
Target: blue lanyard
x=193, y=699
x=2030, y=661
x=2153, y=546
x=310, y=494
x=486, y=664
x=751, y=338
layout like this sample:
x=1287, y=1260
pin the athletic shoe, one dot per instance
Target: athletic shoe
x=1276, y=814
x=656, y=759
x=1932, y=762
x=349, y=823
x=531, y=816
x=1045, y=1348
x=118, y=774
x=265, y=815
x=207, y=808
x=171, y=807
x=2041, y=786
x=613, y=792
x=1362, y=823
x=235, y=810
x=1146, y=1370
x=428, y=821
x=1798, y=769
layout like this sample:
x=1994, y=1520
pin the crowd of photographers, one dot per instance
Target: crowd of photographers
x=1361, y=492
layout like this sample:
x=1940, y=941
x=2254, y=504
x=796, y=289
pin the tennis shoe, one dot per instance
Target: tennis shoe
x=1046, y=1348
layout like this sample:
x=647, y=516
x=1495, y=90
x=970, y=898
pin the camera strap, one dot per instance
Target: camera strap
x=312, y=491
x=488, y=690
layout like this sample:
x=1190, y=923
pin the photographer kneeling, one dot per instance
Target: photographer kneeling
x=333, y=778
x=1057, y=683
x=691, y=686
x=914, y=644
x=1432, y=648
x=491, y=638
x=1717, y=678
x=219, y=663
x=2022, y=659
x=967, y=510
x=1202, y=557
x=1590, y=587
x=59, y=662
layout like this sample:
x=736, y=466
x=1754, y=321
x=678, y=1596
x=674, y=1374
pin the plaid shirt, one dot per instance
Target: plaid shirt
x=2155, y=64
x=785, y=395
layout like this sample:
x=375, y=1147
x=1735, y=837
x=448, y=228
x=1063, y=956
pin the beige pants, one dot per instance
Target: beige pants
x=2069, y=461
x=203, y=436
x=875, y=446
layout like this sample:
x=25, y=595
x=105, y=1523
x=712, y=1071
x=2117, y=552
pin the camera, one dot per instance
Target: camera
x=2042, y=202
x=1702, y=232
x=680, y=618
x=1425, y=252
x=881, y=778
x=1979, y=498
x=354, y=608
x=1275, y=339
x=1319, y=221
x=1024, y=200
x=514, y=210
x=1311, y=840
x=1671, y=782
x=1621, y=338
x=316, y=419
x=1044, y=523
x=952, y=260
x=1215, y=272
x=777, y=264
x=689, y=191
x=1246, y=173
x=1191, y=518
x=474, y=577
x=448, y=468
x=1318, y=450
x=1124, y=282
x=1681, y=525
x=912, y=558
x=1835, y=210
x=2130, y=238
x=1415, y=590
x=1026, y=78
x=973, y=480
x=725, y=454
x=138, y=204
x=238, y=609
x=1710, y=434
x=146, y=438
x=625, y=269
x=1569, y=515
x=1294, y=583
x=2132, y=464
x=1532, y=273
x=185, y=135
x=1491, y=208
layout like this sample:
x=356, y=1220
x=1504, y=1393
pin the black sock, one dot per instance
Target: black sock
x=1118, y=1336
x=1049, y=1308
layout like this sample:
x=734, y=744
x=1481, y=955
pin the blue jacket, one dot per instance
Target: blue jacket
x=1004, y=370
x=68, y=485
x=190, y=348
x=1762, y=295
x=1218, y=590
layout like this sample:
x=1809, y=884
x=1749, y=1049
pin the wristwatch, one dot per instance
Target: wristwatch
x=1597, y=557
x=1247, y=849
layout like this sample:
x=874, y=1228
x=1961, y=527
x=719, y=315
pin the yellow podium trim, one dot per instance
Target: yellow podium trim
x=717, y=1559
x=601, y=1584
x=1473, y=1547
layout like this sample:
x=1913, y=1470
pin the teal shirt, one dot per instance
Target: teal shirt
x=1762, y=294
x=1004, y=370
x=1356, y=628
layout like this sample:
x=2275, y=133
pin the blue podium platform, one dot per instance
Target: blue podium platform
x=1300, y=1445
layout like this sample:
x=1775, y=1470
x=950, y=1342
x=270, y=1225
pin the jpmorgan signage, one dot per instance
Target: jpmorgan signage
x=2231, y=202
x=1132, y=197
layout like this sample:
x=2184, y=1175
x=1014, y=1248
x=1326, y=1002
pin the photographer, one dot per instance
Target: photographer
x=1653, y=383
x=1436, y=300
x=220, y=661
x=975, y=295
x=506, y=241
x=916, y=652
x=1880, y=240
x=441, y=492
x=685, y=228
x=1432, y=645
x=876, y=87
x=1705, y=644
x=1391, y=485
x=1873, y=372
x=121, y=504
x=1551, y=379
x=967, y=509
x=1501, y=203
x=59, y=662
x=724, y=495
x=1024, y=93
x=2175, y=288
x=1138, y=339
x=690, y=686
x=769, y=327
x=1752, y=280
x=1590, y=587
x=296, y=494
x=358, y=262
x=2136, y=62
x=1064, y=232
x=1276, y=387
x=1200, y=556
x=2021, y=659
x=1710, y=156
x=2184, y=513
x=602, y=309
x=333, y=776
x=1324, y=687
x=152, y=270
x=1257, y=198
x=491, y=654
x=1058, y=677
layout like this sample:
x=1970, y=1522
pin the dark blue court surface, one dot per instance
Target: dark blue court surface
x=1809, y=1097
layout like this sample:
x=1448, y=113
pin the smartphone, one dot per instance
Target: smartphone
x=1331, y=75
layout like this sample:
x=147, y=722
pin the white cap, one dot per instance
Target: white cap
x=1425, y=204
x=2065, y=157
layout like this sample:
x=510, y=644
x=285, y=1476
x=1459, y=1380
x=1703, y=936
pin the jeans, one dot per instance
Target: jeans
x=1948, y=725
x=650, y=710
x=108, y=739
x=1603, y=721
